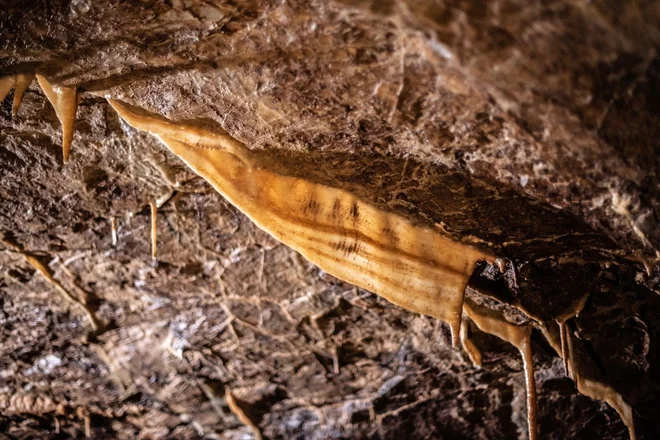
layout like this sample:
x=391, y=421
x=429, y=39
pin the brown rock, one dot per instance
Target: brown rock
x=529, y=129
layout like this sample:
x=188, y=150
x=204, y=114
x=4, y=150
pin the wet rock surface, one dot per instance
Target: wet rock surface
x=526, y=128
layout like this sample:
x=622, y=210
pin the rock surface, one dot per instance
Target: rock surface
x=529, y=128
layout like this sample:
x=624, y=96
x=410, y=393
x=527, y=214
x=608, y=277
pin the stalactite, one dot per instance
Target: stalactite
x=411, y=266
x=153, y=209
x=600, y=391
x=491, y=323
x=23, y=81
x=65, y=102
x=6, y=84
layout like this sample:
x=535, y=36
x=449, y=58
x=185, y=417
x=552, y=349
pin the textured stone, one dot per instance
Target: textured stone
x=529, y=128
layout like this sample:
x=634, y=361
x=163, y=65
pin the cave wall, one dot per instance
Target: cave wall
x=529, y=128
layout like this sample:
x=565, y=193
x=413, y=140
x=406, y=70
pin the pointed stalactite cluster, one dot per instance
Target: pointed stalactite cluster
x=564, y=346
x=494, y=324
x=416, y=268
x=23, y=81
x=64, y=100
x=20, y=83
x=605, y=393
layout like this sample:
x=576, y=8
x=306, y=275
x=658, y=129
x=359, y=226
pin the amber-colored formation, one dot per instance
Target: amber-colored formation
x=491, y=323
x=20, y=83
x=563, y=330
x=65, y=102
x=410, y=266
x=6, y=84
x=113, y=231
x=472, y=351
x=601, y=391
x=23, y=81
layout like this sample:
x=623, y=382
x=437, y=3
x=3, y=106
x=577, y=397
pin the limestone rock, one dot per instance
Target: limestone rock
x=526, y=129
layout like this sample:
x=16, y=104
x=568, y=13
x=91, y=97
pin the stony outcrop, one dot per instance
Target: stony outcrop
x=526, y=132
